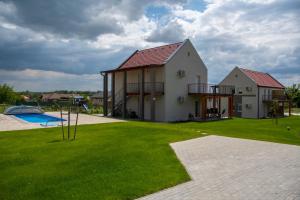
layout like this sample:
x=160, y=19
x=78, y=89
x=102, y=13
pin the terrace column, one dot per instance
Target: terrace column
x=219, y=106
x=113, y=94
x=124, y=94
x=230, y=106
x=214, y=96
x=152, y=94
x=105, y=94
x=204, y=107
x=142, y=91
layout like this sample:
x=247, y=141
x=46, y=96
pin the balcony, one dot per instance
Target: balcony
x=134, y=88
x=210, y=89
x=268, y=98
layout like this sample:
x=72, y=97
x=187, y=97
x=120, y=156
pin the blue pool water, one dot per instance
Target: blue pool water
x=38, y=118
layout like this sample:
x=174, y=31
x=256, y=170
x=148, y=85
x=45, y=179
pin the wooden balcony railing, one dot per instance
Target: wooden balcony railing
x=274, y=98
x=134, y=88
x=203, y=88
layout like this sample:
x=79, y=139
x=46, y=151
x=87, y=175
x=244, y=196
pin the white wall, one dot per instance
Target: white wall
x=240, y=81
x=175, y=86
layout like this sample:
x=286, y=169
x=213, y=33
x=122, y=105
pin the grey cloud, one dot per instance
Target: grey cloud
x=84, y=19
x=76, y=18
x=75, y=56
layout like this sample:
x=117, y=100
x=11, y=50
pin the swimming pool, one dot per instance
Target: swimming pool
x=38, y=118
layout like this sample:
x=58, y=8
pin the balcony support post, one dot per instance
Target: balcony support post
x=204, y=107
x=219, y=106
x=230, y=106
x=113, y=97
x=141, y=93
x=152, y=94
x=124, y=94
x=105, y=94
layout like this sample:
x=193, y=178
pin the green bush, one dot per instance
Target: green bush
x=8, y=95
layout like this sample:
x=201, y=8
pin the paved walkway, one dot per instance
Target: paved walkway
x=9, y=123
x=224, y=168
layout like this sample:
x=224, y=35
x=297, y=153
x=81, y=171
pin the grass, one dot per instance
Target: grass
x=113, y=161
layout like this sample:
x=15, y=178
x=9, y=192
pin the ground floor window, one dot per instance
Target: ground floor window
x=239, y=107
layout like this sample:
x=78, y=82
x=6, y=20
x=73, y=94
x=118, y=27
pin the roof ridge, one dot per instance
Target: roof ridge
x=253, y=70
x=259, y=78
x=160, y=46
x=275, y=80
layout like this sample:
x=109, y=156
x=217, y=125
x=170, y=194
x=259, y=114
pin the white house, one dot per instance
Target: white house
x=254, y=93
x=165, y=83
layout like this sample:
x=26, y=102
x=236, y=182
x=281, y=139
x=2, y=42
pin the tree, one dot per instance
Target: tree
x=8, y=95
x=293, y=93
x=275, y=109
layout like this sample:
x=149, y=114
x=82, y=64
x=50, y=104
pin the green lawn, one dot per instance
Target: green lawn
x=113, y=161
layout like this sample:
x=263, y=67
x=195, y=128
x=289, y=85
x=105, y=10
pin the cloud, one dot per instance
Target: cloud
x=170, y=33
x=84, y=19
x=86, y=36
x=40, y=80
x=261, y=35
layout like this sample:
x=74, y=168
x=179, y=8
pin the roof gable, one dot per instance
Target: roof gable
x=262, y=79
x=152, y=56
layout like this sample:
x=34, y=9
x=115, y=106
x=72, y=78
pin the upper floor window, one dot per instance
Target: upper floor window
x=249, y=89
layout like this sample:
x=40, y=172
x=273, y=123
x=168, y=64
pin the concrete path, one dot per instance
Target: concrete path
x=9, y=123
x=224, y=168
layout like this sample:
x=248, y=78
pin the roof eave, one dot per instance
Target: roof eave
x=131, y=68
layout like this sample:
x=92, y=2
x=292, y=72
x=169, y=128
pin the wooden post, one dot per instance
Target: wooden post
x=290, y=109
x=105, y=94
x=142, y=95
x=75, y=130
x=124, y=94
x=69, y=118
x=204, y=107
x=113, y=94
x=230, y=107
x=152, y=94
x=62, y=123
x=214, y=97
x=219, y=107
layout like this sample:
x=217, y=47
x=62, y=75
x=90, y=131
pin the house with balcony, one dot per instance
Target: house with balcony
x=255, y=92
x=165, y=83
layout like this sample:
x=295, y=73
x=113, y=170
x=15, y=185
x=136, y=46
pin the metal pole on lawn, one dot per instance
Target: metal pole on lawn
x=62, y=123
x=69, y=112
x=76, y=122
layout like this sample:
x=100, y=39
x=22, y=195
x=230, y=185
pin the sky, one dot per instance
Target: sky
x=63, y=44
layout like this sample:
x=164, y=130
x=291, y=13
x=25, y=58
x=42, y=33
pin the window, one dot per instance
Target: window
x=249, y=106
x=188, y=53
x=239, y=107
x=249, y=89
x=180, y=73
x=240, y=91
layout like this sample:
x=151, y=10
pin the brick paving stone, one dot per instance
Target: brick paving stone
x=230, y=168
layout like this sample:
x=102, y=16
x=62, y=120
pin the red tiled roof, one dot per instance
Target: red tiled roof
x=153, y=56
x=262, y=79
